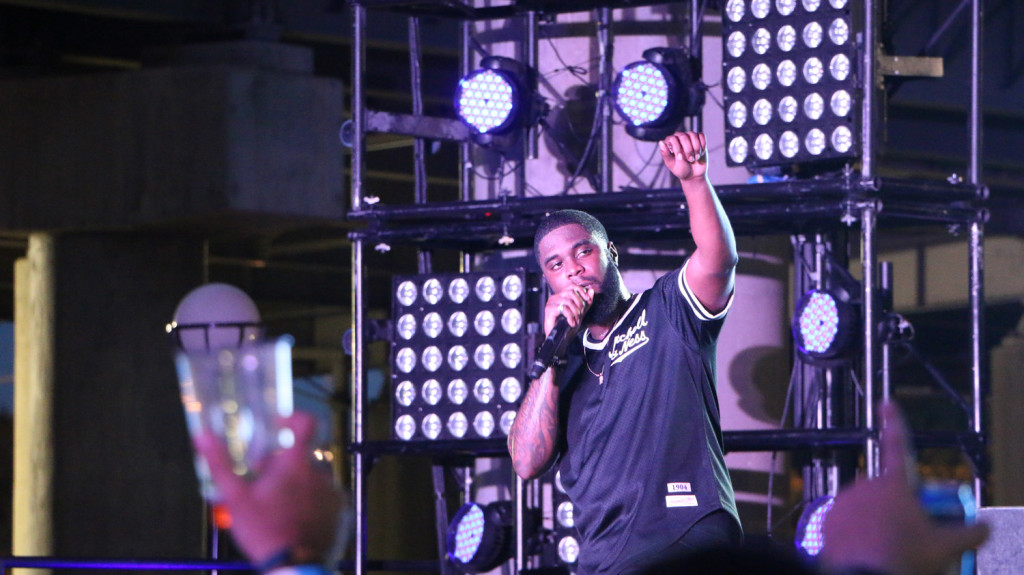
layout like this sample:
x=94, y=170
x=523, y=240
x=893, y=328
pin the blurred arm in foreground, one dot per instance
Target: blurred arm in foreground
x=288, y=514
x=880, y=525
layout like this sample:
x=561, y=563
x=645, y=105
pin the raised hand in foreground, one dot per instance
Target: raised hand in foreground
x=879, y=524
x=289, y=512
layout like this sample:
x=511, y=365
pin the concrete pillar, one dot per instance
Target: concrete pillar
x=33, y=411
x=103, y=462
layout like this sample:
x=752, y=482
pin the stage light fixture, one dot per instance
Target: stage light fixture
x=511, y=320
x=432, y=291
x=432, y=358
x=405, y=427
x=788, y=109
x=825, y=326
x=458, y=354
x=483, y=390
x=565, y=536
x=653, y=95
x=458, y=424
x=479, y=536
x=568, y=549
x=810, y=537
x=511, y=390
x=511, y=355
x=498, y=99
x=405, y=393
x=512, y=287
x=564, y=514
x=458, y=391
x=483, y=424
x=801, y=62
x=407, y=293
x=458, y=323
x=484, y=356
x=483, y=323
x=432, y=392
x=431, y=426
x=432, y=325
x=458, y=358
x=458, y=290
x=506, y=421
x=485, y=288
x=406, y=326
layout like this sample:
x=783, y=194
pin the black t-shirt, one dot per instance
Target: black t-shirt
x=642, y=456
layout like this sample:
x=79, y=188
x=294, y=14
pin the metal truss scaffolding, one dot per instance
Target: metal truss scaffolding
x=855, y=199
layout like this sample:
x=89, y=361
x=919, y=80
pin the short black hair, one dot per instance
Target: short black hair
x=555, y=220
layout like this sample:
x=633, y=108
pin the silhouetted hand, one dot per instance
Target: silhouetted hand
x=880, y=524
x=291, y=504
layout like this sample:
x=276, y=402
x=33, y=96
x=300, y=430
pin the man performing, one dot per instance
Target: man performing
x=631, y=413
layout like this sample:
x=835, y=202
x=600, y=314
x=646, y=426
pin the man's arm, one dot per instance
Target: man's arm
x=533, y=439
x=712, y=268
x=534, y=436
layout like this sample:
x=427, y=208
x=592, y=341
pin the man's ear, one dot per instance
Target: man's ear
x=614, y=253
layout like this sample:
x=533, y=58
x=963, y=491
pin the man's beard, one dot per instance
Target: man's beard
x=605, y=308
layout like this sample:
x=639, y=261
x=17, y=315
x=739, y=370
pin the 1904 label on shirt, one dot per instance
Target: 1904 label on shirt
x=679, y=487
x=680, y=501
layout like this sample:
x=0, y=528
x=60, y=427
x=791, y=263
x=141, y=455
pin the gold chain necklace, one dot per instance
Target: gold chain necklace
x=599, y=376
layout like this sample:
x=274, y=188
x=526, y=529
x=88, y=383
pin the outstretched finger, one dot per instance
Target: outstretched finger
x=894, y=443
x=956, y=540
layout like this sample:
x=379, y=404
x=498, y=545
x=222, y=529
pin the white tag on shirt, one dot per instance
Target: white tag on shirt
x=680, y=501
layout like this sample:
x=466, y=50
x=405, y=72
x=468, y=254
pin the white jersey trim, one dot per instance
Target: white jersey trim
x=589, y=343
x=698, y=308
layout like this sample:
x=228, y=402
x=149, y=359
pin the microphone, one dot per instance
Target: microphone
x=555, y=341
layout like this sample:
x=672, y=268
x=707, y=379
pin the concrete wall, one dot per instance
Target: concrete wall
x=162, y=145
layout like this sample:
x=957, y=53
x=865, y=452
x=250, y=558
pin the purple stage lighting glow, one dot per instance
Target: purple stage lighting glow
x=810, y=536
x=469, y=531
x=478, y=537
x=819, y=322
x=485, y=100
x=824, y=326
x=642, y=94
